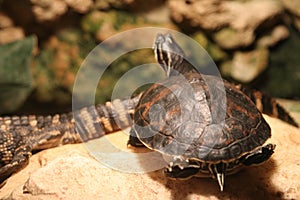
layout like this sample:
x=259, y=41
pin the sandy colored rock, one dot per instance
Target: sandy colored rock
x=292, y=5
x=68, y=172
x=105, y=4
x=81, y=6
x=48, y=10
x=234, y=21
x=247, y=65
x=5, y=21
x=297, y=23
x=215, y=14
x=207, y=14
x=278, y=34
x=11, y=34
x=251, y=14
x=228, y=38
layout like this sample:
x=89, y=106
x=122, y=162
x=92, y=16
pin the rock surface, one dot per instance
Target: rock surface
x=237, y=20
x=246, y=65
x=48, y=10
x=8, y=31
x=69, y=172
x=292, y=6
x=278, y=34
x=11, y=34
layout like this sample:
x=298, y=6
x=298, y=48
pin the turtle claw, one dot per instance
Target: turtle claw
x=218, y=172
x=220, y=178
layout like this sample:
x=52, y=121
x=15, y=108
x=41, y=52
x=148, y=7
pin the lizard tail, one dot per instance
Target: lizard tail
x=268, y=105
x=95, y=121
x=43, y=132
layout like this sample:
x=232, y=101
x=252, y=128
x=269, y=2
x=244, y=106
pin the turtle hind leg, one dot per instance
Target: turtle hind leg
x=258, y=156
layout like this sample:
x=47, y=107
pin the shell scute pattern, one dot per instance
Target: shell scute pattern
x=191, y=126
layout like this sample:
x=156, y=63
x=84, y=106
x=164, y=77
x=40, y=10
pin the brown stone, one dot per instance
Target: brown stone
x=292, y=6
x=246, y=65
x=48, y=10
x=234, y=22
x=5, y=21
x=11, y=34
x=81, y=6
x=278, y=34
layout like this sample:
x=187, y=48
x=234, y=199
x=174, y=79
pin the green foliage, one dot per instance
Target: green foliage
x=122, y=65
x=94, y=21
x=16, y=80
x=57, y=64
x=123, y=18
x=212, y=49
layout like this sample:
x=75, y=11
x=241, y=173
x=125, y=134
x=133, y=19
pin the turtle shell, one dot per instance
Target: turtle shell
x=182, y=116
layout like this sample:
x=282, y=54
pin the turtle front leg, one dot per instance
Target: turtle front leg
x=258, y=156
x=180, y=168
x=134, y=140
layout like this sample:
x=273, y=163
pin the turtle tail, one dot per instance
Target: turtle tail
x=268, y=105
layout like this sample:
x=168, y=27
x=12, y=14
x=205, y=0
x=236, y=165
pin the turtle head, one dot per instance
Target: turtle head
x=169, y=54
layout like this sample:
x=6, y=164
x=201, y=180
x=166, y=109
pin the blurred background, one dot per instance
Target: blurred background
x=44, y=42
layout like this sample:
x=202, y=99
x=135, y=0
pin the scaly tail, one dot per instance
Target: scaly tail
x=268, y=105
x=20, y=135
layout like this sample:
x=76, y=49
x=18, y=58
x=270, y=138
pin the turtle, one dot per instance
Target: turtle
x=182, y=117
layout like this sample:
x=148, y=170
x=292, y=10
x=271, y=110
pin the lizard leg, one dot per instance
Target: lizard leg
x=19, y=160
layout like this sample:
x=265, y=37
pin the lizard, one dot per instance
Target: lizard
x=20, y=136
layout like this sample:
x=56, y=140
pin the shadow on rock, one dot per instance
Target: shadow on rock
x=250, y=183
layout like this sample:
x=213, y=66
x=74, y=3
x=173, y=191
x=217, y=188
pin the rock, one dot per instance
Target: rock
x=278, y=34
x=229, y=38
x=297, y=23
x=106, y=4
x=48, y=10
x=216, y=14
x=159, y=15
x=131, y=5
x=107, y=30
x=68, y=172
x=5, y=21
x=207, y=14
x=249, y=15
x=237, y=20
x=292, y=6
x=11, y=34
x=81, y=6
x=246, y=66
